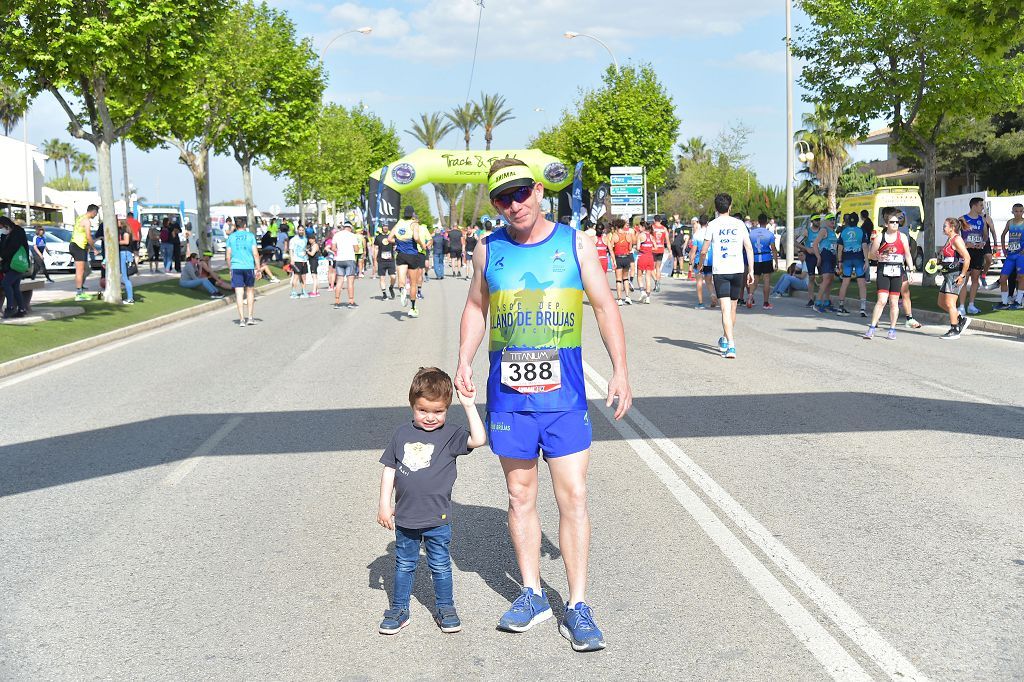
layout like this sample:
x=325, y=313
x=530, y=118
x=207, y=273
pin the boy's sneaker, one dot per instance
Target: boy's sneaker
x=627, y=301
x=1001, y=306
x=768, y=306
x=730, y=352
x=414, y=312
x=809, y=304
x=251, y=321
x=83, y=297
x=527, y=610
x=241, y=323
x=618, y=301
x=294, y=294
x=579, y=628
x=870, y=333
x=964, y=323
x=842, y=312
x=912, y=323
x=314, y=294
x=723, y=344
x=953, y=333
x=892, y=334
x=863, y=313
x=447, y=619
x=394, y=620
x=973, y=309
x=701, y=306
x=337, y=306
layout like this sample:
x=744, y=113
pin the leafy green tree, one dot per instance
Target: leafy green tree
x=429, y=131
x=828, y=140
x=628, y=121
x=272, y=101
x=108, y=63
x=911, y=63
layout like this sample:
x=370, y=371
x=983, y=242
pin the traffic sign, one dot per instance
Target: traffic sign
x=627, y=201
x=627, y=179
x=632, y=190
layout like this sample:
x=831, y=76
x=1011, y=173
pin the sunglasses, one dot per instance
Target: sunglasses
x=518, y=195
x=894, y=222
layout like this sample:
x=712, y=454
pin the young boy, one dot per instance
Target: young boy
x=420, y=464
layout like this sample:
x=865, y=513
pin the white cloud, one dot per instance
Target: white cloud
x=762, y=60
x=445, y=30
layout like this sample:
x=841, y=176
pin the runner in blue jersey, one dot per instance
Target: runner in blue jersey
x=765, y=259
x=811, y=259
x=824, y=247
x=853, y=253
x=526, y=296
x=1012, y=240
x=702, y=268
x=979, y=232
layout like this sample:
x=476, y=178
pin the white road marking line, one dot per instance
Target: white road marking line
x=822, y=645
x=186, y=466
x=835, y=607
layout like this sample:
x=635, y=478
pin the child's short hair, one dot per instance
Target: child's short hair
x=431, y=383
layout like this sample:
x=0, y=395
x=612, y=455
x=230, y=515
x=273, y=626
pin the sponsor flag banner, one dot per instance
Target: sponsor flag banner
x=599, y=207
x=577, y=195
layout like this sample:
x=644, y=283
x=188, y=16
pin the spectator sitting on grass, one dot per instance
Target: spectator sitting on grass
x=264, y=270
x=795, y=279
x=206, y=270
x=191, y=277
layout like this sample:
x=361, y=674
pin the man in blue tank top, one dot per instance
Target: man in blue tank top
x=1012, y=240
x=526, y=296
x=979, y=233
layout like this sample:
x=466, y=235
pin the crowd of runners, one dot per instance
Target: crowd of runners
x=729, y=268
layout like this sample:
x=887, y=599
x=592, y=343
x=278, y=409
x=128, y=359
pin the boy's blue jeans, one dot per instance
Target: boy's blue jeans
x=439, y=559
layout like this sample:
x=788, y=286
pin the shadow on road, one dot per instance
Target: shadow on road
x=689, y=345
x=94, y=453
x=480, y=544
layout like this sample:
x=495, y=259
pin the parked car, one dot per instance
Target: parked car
x=57, y=255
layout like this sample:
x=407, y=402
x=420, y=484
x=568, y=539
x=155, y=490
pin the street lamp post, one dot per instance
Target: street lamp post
x=365, y=30
x=790, y=172
x=569, y=35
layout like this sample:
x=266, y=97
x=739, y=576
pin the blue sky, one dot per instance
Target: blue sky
x=723, y=62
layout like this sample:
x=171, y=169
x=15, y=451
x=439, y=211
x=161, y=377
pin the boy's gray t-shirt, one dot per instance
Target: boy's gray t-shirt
x=424, y=464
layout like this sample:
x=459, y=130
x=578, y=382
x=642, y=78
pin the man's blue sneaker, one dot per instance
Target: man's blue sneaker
x=447, y=619
x=527, y=610
x=701, y=306
x=394, y=620
x=731, y=352
x=723, y=344
x=580, y=629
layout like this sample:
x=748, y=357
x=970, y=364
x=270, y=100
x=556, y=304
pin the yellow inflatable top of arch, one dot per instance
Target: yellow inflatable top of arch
x=454, y=166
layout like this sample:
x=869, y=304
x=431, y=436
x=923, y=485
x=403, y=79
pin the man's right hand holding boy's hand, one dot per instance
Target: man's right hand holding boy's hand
x=386, y=516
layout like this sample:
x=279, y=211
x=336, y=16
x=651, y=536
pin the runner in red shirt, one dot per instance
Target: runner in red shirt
x=602, y=249
x=645, y=263
x=136, y=229
x=661, y=237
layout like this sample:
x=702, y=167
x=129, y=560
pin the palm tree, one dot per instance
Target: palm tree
x=466, y=118
x=429, y=130
x=695, y=150
x=493, y=113
x=83, y=164
x=13, y=105
x=828, y=139
x=67, y=154
x=53, y=149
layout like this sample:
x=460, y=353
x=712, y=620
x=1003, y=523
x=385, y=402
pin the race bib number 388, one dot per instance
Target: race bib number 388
x=531, y=371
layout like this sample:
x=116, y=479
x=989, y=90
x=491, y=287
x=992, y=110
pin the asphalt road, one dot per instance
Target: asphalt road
x=820, y=507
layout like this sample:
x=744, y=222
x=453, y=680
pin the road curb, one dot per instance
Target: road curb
x=44, y=357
